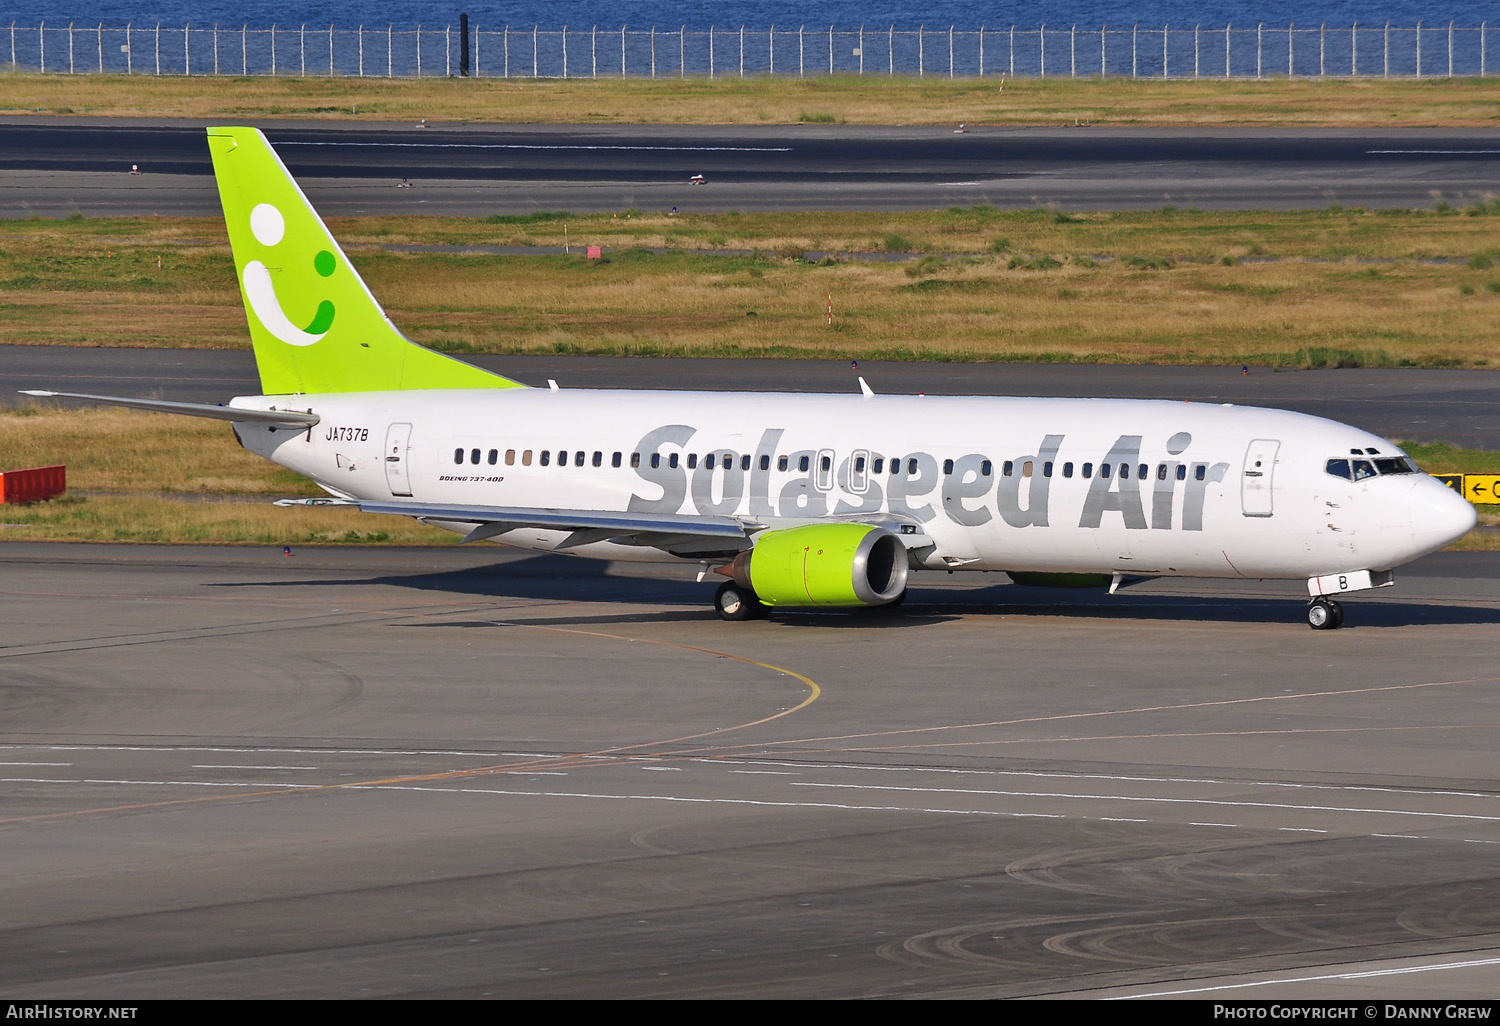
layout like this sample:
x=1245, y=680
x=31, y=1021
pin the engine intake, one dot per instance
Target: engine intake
x=823, y=565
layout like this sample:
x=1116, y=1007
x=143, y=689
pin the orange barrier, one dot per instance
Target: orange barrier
x=32, y=485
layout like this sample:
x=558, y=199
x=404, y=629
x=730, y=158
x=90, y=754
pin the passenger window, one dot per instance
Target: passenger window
x=473, y=455
x=1067, y=470
x=911, y=468
x=1088, y=470
x=1125, y=471
x=1161, y=471
x=635, y=460
x=1182, y=471
x=1007, y=468
x=562, y=457
x=1200, y=472
x=1104, y=471
x=526, y=458
x=859, y=464
x=579, y=457
x=655, y=460
x=672, y=461
x=546, y=457
x=948, y=467
x=781, y=463
x=1047, y=469
x=825, y=464
x=598, y=459
x=1143, y=472
x=804, y=463
x=1338, y=468
x=986, y=468
x=1026, y=469
x=765, y=461
x=692, y=461
x=458, y=455
x=510, y=457
x=879, y=467
x=614, y=461
x=494, y=457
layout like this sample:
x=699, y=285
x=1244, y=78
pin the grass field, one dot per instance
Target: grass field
x=871, y=99
x=1296, y=289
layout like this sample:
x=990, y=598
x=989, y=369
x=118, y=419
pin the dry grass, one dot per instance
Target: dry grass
x=149, y=477
x=1310, y=288
x=843, y=99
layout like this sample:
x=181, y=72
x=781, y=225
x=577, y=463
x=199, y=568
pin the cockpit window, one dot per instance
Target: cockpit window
x=1363, y=469
x=1339, y=468
x=1395, y=465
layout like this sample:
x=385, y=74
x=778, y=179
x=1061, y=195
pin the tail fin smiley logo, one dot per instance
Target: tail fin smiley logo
x=269, y=228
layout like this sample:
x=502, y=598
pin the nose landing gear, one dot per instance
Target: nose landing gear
x=1324, y=614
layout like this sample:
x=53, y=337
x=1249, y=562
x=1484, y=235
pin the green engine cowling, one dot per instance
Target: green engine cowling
x=824, y=565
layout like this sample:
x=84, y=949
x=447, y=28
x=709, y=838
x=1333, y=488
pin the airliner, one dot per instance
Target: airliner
x=797, y=501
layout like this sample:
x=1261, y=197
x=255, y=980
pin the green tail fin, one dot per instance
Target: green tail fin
x=314, y=324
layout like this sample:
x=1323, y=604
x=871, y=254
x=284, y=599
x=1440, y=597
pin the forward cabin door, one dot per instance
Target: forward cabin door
x=397, y=446
x=1256, y=480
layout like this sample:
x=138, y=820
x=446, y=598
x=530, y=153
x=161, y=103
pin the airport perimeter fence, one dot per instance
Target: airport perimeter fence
x=1230, y=51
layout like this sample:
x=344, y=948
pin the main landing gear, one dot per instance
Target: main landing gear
x=1324, y=614
x=733, y=602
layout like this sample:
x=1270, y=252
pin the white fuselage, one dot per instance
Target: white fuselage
x=1050, y=485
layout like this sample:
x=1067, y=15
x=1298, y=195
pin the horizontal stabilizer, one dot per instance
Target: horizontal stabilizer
x=277, y=418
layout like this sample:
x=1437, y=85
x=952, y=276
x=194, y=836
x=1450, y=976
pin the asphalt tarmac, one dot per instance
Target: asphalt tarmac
x=472, y=773
x=56, y=167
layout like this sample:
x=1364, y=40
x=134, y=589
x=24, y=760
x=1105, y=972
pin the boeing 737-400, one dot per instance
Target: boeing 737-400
x=797, y=500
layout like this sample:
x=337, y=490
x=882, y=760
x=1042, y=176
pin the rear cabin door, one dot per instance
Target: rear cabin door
x=1256, y=479
x=397, y=446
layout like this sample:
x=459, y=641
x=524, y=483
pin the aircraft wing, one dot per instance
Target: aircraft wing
x=276, y=418
x=667, y=531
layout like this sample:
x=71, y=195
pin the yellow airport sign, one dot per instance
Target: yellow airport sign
x=1454, y=481
x=1482, y=488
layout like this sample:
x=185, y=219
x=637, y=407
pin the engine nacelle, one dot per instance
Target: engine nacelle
x=824, y=565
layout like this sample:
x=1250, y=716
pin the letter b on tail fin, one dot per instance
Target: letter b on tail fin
x=314, y=324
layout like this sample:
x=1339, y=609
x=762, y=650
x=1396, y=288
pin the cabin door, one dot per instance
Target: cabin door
x=1256, y=478
x=397, y=446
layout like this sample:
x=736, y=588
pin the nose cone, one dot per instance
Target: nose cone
x=1439, y=515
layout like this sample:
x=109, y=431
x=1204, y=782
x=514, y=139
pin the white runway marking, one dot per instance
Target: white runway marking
x=1367, y=975
x=233, y=767
x=1438, y=152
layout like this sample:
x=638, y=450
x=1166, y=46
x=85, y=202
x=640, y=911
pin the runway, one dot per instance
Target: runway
x=56, y=167
x=467, y=773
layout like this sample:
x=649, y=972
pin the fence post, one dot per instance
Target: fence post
x=710, y=52
x=682, y=52
x=1387, y=49
x=1042, y=39
x=950, y=50
x=1134, y=48
x=1354, y=51
x=1259, y=39
x=245, y=49
x=801, y=58
x=447, y=50
x=1196, y=29
x=302, y=50
x=742, y=50
x=101, y=49
x=41, y=42
x=362, y=50
x=771, y=40
x=330, y=49
x=187, y=65
x=862, y=50
x=653, y=51
x=419, y=49
x=390, y=67
x=70, y=49
x=13, y=43
x=622, y=51
x=1450, y=46
x=1322, y=46
x=565, y=52
x=1012, y=49
x=1289, y=48
x=505, y=45
x=1226, y=50
x=921, y=55
x=476, y=48
x=1103, y=65
x=535, y=56
x=129, y=52
x=158, y=51
x=981, y=49
x=891, y=49
x=1073, y=52
x=594, y=51
x=1482, y=24
x=216, y=48
x=1164, y=51
x=1419, y=49
x=830, y=51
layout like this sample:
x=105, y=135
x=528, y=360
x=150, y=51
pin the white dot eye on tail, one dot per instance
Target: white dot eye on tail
x=267, y=224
